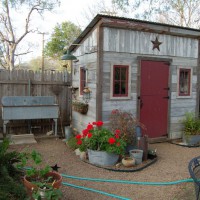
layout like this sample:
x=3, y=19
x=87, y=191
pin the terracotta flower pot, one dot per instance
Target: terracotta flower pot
x=128, y=162
x=31, y=186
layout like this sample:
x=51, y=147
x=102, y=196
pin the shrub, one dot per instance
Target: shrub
x=125, y=122
x=11, y=186
x=191, y=124
x=72, y=143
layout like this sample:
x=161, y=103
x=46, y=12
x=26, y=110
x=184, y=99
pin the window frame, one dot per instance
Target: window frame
x=128, y=82
x=189, y=94
x=81, y=81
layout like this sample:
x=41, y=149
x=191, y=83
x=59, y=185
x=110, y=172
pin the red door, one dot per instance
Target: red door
x=154, y=97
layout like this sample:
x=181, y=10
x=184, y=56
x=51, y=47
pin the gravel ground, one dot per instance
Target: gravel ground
x=172, y=164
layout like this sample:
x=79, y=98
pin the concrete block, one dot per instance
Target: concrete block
x=23, y=139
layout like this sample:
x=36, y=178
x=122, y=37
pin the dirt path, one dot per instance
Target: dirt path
x=172, y=165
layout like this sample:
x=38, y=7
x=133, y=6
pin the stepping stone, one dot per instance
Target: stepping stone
x=23, y=139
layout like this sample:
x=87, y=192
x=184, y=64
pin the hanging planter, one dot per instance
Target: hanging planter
x=80, y=107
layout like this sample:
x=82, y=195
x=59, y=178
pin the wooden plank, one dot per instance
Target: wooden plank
x=151, y=27
x=141, y=43
x=18, y=85
x=198, y=82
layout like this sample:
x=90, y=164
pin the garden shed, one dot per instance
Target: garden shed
x=149, y=69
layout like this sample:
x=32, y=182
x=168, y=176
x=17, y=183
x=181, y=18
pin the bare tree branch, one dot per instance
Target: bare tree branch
x=8, y=35
x=20, y=54
x=9, y=21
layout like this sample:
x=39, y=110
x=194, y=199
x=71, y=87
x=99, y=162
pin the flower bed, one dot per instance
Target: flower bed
x=96, y=137
x=121, y=168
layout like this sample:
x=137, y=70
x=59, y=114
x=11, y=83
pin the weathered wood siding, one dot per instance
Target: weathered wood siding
x=87, y=55
x=28, y=83
x=124, y=46
x=138, y=42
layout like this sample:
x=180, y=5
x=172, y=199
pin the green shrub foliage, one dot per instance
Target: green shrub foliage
x=11, y=187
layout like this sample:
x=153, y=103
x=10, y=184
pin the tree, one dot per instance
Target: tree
x=9, y=37
x=63, y=35
x=35, y=64
x=176, y=12
x=110, y=8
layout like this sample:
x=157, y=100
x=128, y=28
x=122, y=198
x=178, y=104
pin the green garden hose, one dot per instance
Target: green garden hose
x=94, y=190
x=129, y=182
x=117, y=181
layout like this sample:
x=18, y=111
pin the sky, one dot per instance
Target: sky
x=68, y=11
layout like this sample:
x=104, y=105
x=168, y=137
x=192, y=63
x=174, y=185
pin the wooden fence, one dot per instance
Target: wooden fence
x=29, y=83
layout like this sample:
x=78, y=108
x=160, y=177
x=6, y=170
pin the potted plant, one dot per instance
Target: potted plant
x=46, y=191
x=80, y=107
x=40, y=182
x=128, y=161
x=128, y=124
x=103, y=146
x=191, y=130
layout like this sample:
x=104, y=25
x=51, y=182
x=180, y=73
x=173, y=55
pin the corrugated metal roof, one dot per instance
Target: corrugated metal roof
x=98, y=17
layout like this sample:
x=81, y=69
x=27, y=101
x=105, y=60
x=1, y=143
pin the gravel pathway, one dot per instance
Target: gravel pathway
x=172, y=164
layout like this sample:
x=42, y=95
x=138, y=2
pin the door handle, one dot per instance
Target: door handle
x=141, y=102
x=166, y=88
x=166, y=97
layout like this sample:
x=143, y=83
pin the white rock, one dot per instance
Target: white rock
x=77, y=152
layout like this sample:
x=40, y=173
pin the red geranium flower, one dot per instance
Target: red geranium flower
x=79, y=142
x=89, y=135
x=90, y=127
x=111, y=140
x=99, y=123
x=94, y=123
x=117, y=131
x=115, y=111
x=118, y=144
x=78, y=136
x=85, y=132
x=117, y=136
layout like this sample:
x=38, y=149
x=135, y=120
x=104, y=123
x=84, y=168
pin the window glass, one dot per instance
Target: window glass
x=184, y=82
x=120, y=80
x=82, y=79
x=123, y=74
x=117, y=88
x=117, y=73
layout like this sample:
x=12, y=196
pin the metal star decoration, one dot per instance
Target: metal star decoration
x=55, y=167
x=156, y=44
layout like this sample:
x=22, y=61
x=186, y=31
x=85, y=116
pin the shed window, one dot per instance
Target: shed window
x=82, y=79
x=184, y=82
x=120, y=80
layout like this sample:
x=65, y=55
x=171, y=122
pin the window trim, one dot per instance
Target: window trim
x=190, y=82
x=80, y=80
x=128, y=96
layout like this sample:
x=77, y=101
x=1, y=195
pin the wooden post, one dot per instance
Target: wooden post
x=99, y=73
x=198, y=82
